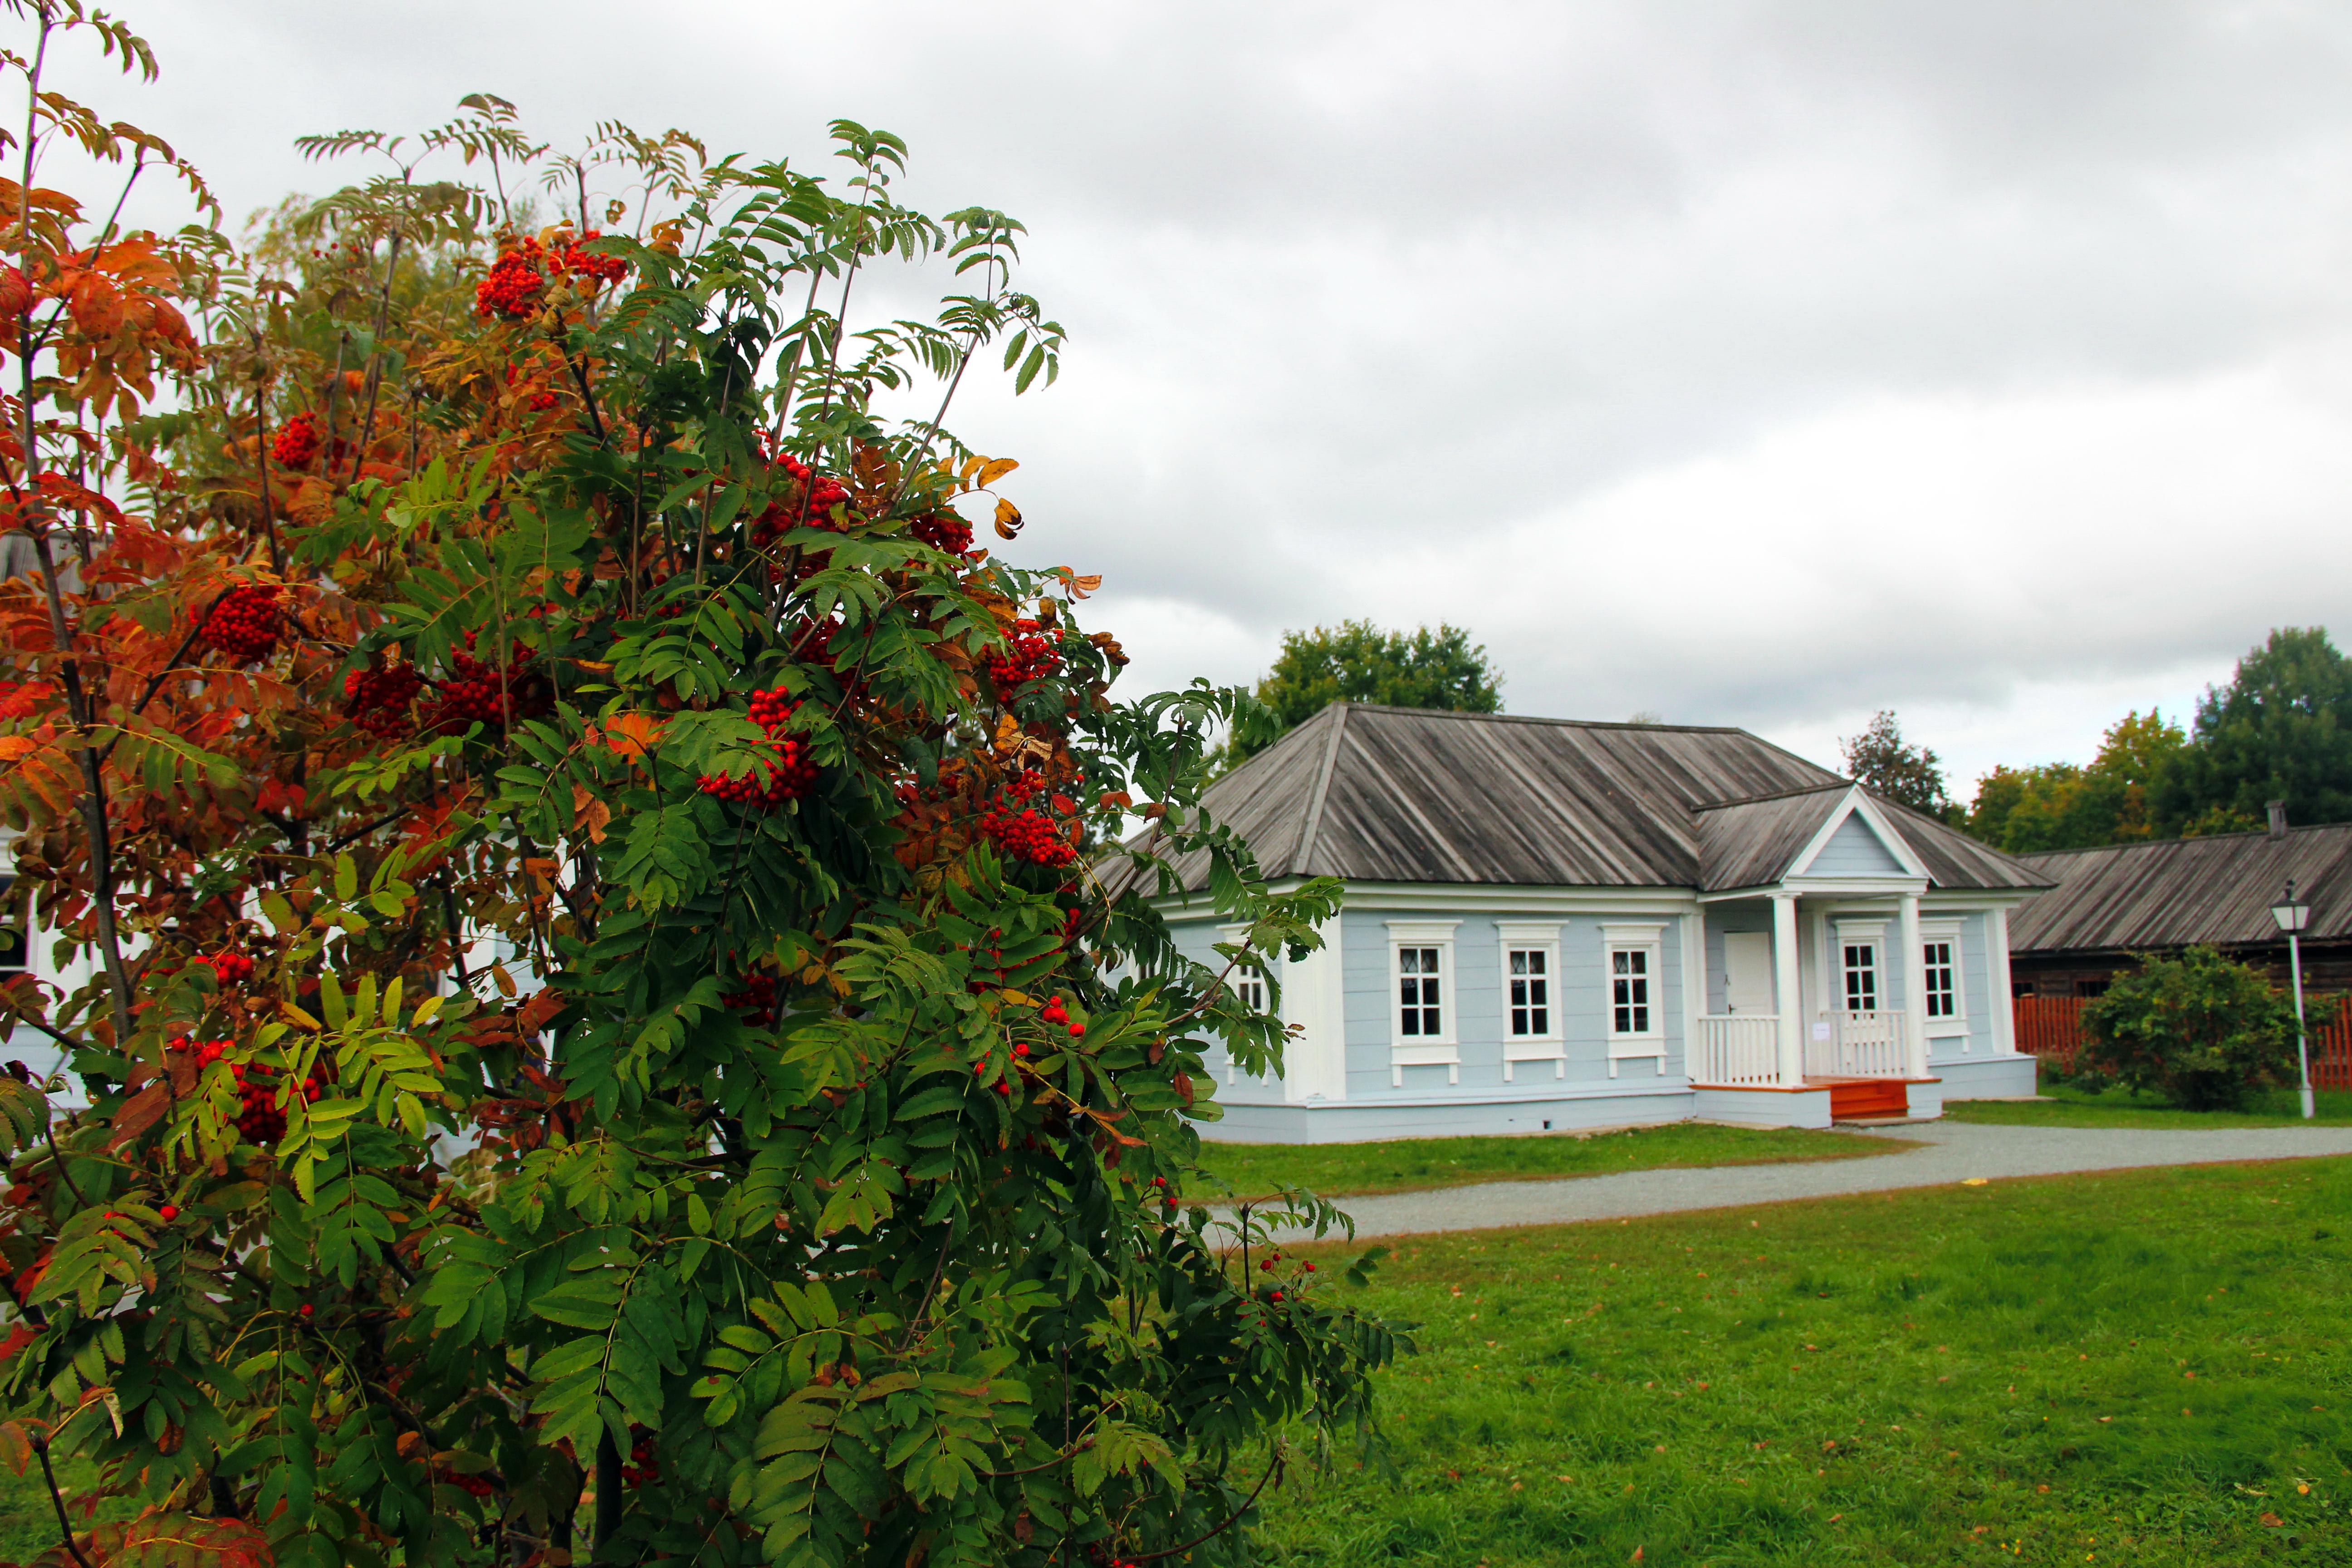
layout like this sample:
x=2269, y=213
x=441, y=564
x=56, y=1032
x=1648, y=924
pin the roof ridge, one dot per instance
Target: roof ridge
x=1312, y=826
x=1776, y=794
x=2161, y=843
x=1539, y=719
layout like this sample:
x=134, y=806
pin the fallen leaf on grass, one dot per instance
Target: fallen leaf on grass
x=2274, y=1520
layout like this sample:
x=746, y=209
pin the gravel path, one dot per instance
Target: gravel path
x=1942, y=1152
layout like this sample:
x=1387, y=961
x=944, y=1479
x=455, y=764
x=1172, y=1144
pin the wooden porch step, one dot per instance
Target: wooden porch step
x=1860, y=1099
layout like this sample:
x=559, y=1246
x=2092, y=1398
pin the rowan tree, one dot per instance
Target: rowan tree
x=607, y=1035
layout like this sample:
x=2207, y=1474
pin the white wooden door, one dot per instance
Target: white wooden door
x=1747, y=970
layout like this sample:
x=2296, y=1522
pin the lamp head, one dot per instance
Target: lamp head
x=2291, y=912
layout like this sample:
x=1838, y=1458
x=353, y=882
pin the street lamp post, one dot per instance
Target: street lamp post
x=2292, y=914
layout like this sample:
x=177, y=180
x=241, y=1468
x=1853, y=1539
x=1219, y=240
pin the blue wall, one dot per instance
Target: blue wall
x=1578, y=993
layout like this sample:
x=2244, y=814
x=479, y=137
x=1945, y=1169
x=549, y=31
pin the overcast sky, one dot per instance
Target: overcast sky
x=1758, y=365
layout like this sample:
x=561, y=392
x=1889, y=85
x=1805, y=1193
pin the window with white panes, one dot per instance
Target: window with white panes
x=1529, y=998
x=1943, y=997
x=1632, y=989
x=1421, y=1006
x=1858, y=967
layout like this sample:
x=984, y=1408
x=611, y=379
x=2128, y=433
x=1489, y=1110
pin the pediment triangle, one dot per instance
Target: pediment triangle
x=1853, y=848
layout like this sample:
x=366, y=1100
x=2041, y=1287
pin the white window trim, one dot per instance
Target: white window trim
x=1420, y=1050
x=1649, y=935
x=1549, y=1046
x=1957, y=1023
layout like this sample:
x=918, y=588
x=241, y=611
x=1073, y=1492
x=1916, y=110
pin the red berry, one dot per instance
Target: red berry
x=298, y=443
x=304, y=1310
x=243, y=622
x=1021, y=1049
x=1077, y=1031
x=170, y=1212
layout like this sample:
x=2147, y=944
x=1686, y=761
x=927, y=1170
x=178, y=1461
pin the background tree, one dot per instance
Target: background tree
x=603, y=1035
x=2280, y=729
x=1359, y=662
x=2059, y=806
x=1880, y=759
x=2199, y=1029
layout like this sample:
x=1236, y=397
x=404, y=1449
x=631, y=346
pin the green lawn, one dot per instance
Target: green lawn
x=2067, y=1105
x=1413, y=1164
x=2140, y=1368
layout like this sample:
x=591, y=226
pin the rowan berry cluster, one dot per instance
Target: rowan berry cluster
x=642, y=1466
x=540, y=402
x=377, y=699
x=245, y=622
x=231, y=968
x=511, y=288
x=1031, y=653
x=810, y=507
x=260, y=1120
x=257, y=1089
x=298, y=443
x=785, y=771
x=473, y=692
x=596, y=267
x=472, y=1486
x=1023, y=832
x=206, y=1052
x=756, y=1001
x=943, y=530
x=1054, y=1012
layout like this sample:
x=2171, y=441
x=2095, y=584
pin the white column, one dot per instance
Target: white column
x=1693, y=946
x=2004, y=1006
x=1787, y=1001
x=1915, y=987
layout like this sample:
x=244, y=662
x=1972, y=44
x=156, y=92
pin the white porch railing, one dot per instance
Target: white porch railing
x=1861, y=1044
x=1735, y=1049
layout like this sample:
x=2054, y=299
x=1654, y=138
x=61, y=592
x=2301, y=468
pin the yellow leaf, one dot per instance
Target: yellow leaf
x=995, y=469
x=1008, y=519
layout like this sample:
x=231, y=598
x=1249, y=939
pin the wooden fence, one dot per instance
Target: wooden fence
x=2052, y=1027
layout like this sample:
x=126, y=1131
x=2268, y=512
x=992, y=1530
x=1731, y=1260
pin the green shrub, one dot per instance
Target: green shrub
x=2201, y=1029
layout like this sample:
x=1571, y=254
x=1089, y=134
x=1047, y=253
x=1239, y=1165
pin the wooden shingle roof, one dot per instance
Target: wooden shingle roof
x=1408, y=794
x=2178, y=892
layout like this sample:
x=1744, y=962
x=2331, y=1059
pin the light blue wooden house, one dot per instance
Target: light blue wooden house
x=1552, y=924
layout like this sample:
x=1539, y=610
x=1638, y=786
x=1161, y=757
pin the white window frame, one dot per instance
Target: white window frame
x=1956, y=1021
x=1648, y=937
x=1547, y=1044
x=1874, y=934
x=1445, y=1049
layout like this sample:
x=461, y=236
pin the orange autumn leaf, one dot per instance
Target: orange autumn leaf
x=631, y=735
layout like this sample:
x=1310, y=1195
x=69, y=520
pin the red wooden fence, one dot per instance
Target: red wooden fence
x=2052, y=1027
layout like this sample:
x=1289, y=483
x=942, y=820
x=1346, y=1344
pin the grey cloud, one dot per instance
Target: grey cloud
x=1403, y=310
